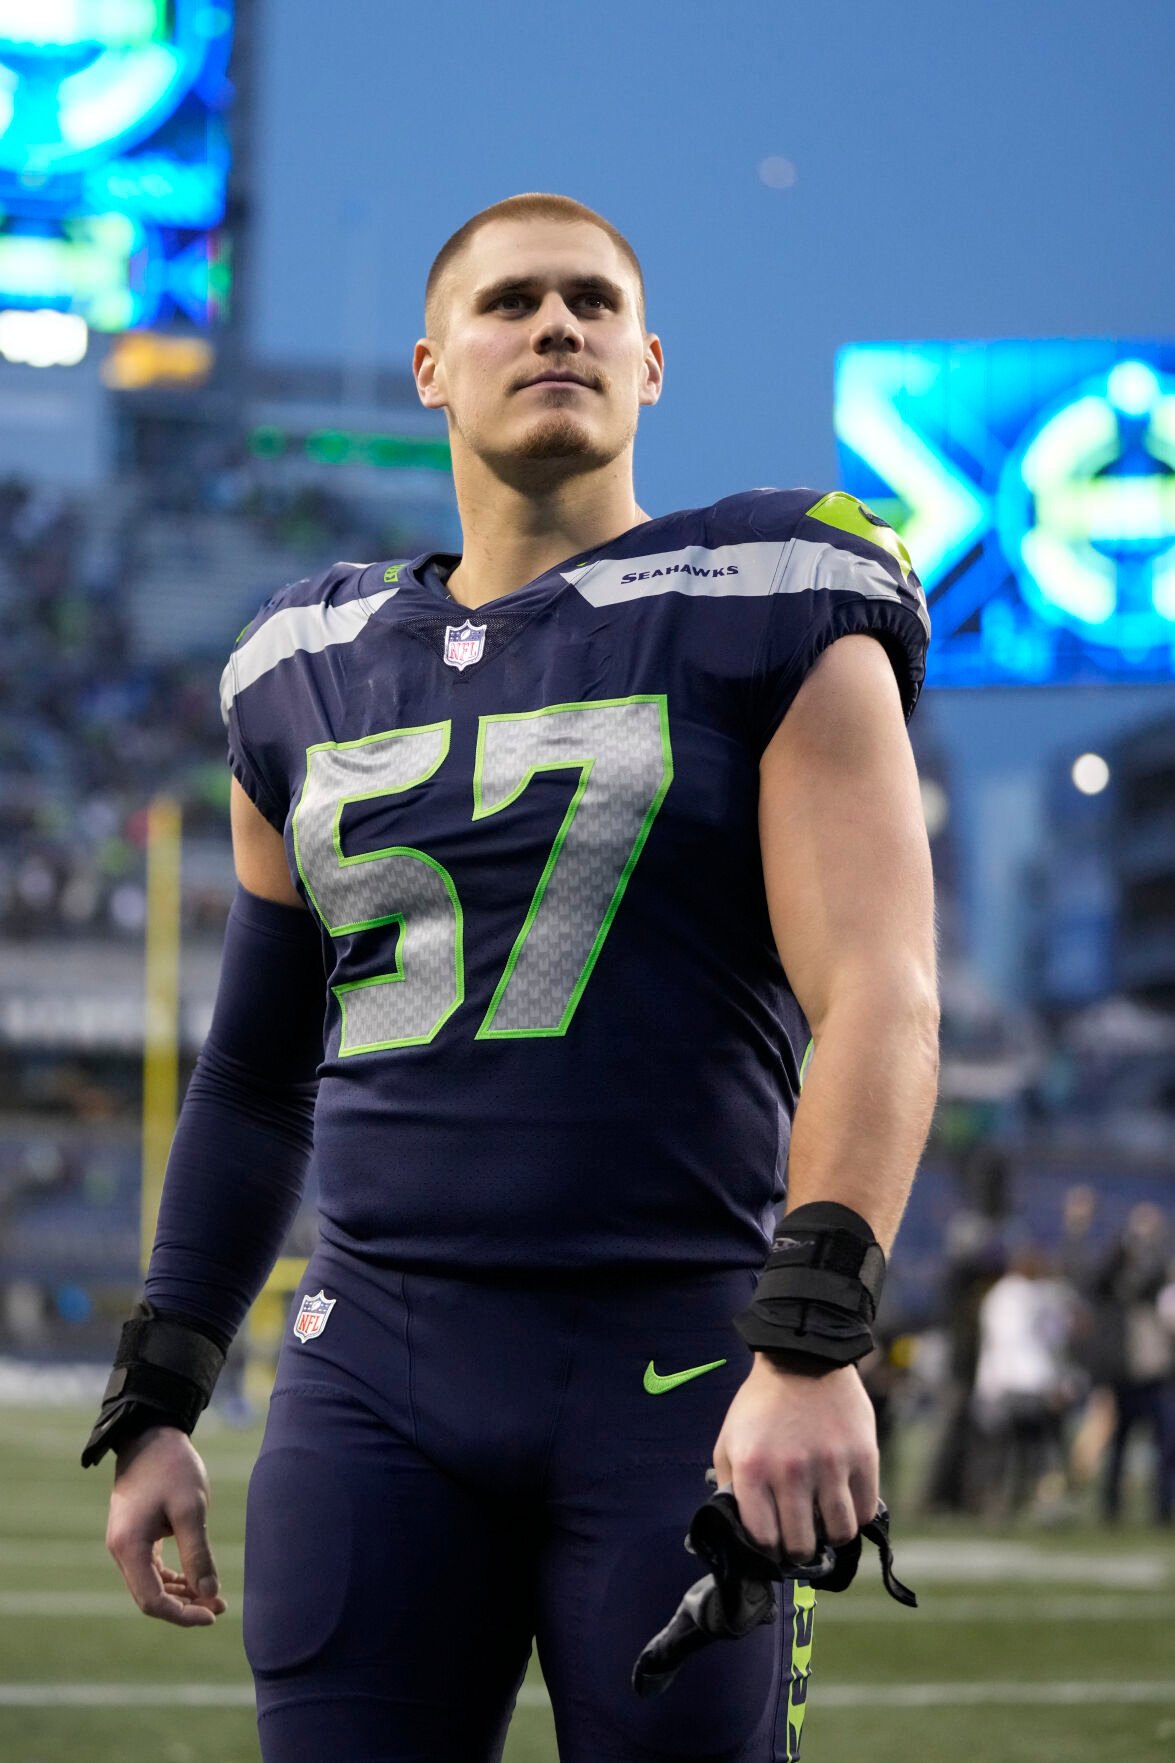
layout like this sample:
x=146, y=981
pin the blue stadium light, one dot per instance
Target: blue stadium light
x=113, y=111
x=1034, y=484
x=62, y=24
x=1133, y=388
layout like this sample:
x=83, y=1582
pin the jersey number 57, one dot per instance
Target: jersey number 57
x=621, y=749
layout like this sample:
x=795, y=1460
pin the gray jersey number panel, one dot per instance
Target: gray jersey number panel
x=398, y=887
x=621, y=750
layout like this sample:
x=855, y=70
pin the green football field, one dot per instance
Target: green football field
x=1041, y=1646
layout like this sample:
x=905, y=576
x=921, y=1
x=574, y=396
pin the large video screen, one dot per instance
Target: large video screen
x=1034, y=484
x=114, y=159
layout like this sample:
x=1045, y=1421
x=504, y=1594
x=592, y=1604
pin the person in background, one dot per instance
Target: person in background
x=1166, y=1309
x=1077, y=1258
x=1129, y=1288
x=975, y=1254
x=1025, y=1381
x=1097, y=1347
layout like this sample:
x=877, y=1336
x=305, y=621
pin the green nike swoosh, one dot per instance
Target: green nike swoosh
x=657, y=1385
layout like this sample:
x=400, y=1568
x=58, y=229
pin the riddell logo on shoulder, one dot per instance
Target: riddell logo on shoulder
x=648, y=575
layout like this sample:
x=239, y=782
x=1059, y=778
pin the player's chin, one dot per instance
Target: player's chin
x=548, y=452
x=558, y=436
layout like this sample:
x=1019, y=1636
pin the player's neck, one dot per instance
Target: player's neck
x=513, y=534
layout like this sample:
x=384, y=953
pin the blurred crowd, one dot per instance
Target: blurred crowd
x=90, y=729
x=87, y=732
x=1057, y=1365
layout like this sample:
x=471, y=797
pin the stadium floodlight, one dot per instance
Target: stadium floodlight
x=1090, y=774
x=43, y=339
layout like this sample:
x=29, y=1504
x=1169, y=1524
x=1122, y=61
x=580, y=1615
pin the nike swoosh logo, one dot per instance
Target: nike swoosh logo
x=656, y=1385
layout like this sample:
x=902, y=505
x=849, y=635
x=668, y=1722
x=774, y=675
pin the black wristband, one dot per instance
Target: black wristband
x=817, y=1297
x=164, y=1373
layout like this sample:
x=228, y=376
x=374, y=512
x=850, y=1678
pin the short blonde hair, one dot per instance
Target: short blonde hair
x=534, y=205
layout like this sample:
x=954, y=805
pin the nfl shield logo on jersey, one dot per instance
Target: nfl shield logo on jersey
x=312, y=1317
x=464, y=644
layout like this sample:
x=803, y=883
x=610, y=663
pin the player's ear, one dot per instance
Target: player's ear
x=425, y=371
x=652, y=370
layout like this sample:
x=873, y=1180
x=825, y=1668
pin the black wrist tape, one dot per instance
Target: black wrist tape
x=164, y=1373
x=817, y=1296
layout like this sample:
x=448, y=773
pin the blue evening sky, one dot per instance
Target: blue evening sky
x=962, y=168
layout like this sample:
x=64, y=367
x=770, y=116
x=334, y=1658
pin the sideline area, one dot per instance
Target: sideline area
x=1032, y=1646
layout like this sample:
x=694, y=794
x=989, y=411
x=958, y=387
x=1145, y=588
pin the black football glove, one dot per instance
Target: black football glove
x=736, y=1595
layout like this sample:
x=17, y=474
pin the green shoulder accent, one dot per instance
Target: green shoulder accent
x=806, y=1061
x=841, y=510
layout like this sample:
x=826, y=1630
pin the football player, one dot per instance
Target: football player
x=554, y=856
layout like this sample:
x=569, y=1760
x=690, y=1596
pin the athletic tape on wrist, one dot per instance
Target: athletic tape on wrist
x=164, y=1374
x=817, y=1296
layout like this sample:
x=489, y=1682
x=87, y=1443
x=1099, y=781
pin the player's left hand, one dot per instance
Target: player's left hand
x=794, y=1446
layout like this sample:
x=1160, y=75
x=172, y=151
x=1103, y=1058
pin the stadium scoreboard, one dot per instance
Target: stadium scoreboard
x=1034, y=485
x=114, y=159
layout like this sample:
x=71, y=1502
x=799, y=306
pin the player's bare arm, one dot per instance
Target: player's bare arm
x=259, y=856
x=850, y=892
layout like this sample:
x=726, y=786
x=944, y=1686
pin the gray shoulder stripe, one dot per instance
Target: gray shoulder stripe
x=307, y=628
x=753, y=568
x=812, y=566
x=749, y=568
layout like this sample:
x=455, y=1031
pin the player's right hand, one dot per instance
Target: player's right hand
x=161, y=1490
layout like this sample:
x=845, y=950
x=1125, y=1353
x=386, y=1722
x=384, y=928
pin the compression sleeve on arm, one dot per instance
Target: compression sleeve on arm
x=242, y=1146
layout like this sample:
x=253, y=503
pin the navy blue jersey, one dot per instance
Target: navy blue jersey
x=557, y=1032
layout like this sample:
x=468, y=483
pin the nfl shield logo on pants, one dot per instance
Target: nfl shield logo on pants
x=312, y=1317
x=464, y=644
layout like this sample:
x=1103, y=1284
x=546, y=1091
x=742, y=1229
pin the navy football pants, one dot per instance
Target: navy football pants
x=452, y=1469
